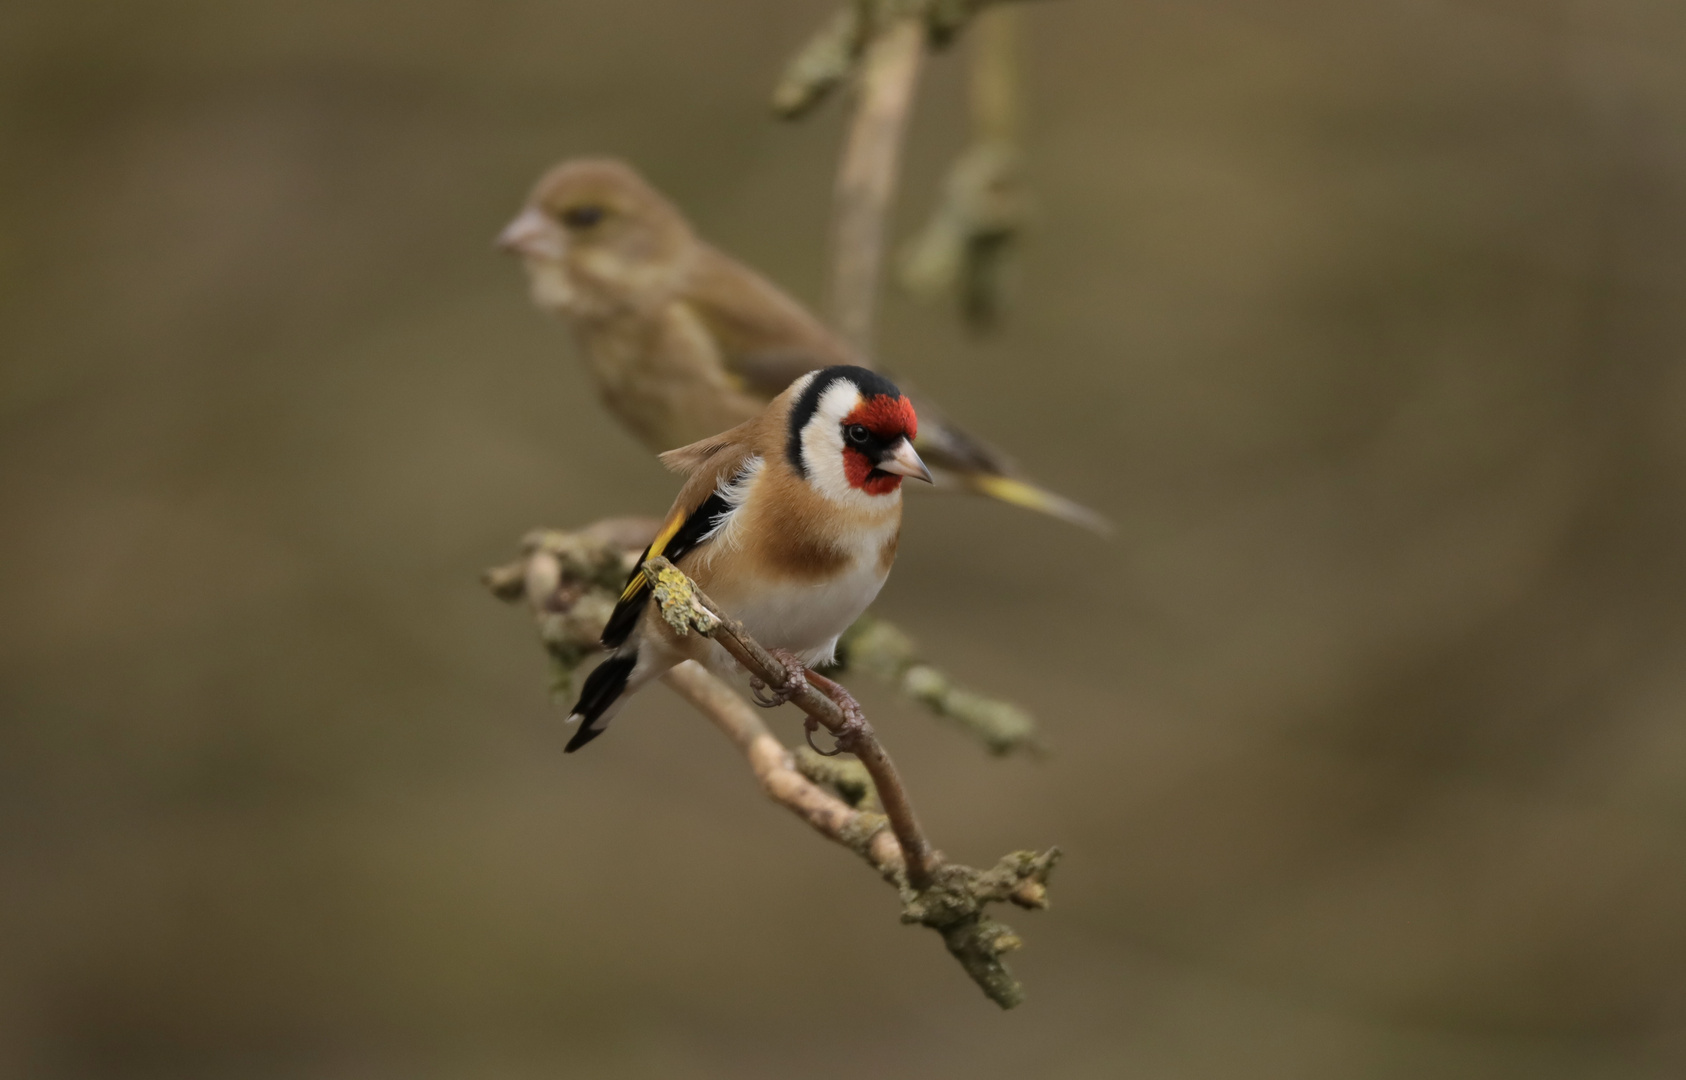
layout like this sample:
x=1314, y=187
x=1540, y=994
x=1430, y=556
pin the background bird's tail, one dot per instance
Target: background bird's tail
x=600, y=698
x=966, y=461
x=1023, y=493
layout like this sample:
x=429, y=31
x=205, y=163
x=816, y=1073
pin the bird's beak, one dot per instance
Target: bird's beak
x=904, y=462
x=531, y=233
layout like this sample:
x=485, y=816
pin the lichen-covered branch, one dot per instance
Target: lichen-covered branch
x=880, y=46
x=848, y=778
x=952, y=903
x=822, y=65
x=783, y=777
x=572, y=580
x=687, y=608
x=565, y=579
x=828, y=58
x=947, y=897
x=877, y=648
x=947, y=18
x=965, y=247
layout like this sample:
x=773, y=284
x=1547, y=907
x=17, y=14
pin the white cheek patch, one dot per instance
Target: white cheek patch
x=822, y=447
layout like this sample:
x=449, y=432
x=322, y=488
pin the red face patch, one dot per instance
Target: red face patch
x=889, y=419
x=858, y=469
x=886, y=417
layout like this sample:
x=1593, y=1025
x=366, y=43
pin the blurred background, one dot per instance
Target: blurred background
x=1364, y=322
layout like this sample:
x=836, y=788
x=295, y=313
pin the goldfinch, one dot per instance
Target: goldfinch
x=789, y=521
x=682, y=340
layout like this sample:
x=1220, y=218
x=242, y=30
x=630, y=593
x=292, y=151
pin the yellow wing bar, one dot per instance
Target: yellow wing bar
x=657, y=547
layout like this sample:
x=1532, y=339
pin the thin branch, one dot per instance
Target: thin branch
x=565, y=577
x=866, y=178
x=878, y=648
x=947, y=897
x=953, y=905
x=571, y=580
x=860, y=831
x=674, y=591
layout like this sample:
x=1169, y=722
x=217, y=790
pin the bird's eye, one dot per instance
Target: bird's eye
x=582, y=217
x=858, y=433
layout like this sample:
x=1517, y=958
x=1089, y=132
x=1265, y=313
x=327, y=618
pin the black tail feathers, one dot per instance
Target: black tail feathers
x=603, y=687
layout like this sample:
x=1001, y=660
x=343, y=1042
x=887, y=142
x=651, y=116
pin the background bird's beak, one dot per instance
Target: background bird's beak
x=531, y=233
x=904, y=462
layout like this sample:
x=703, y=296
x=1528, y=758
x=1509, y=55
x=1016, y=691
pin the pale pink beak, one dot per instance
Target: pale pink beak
x=904, y=462
x=531, y=233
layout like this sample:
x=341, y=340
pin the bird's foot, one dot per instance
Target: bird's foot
x=854, y=717
x=795, y=679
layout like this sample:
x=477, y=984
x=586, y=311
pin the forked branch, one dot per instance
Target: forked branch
x=948, y=897
x=681, y=601
x=565, y=579
x=952, y=903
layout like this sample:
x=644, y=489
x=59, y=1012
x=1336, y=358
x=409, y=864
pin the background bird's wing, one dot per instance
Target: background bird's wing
x=766, y=339
x=695, y=513
x=960, y=459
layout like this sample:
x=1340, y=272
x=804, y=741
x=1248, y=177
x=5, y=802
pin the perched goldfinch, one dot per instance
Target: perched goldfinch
x=682, y=340
x=789, y=521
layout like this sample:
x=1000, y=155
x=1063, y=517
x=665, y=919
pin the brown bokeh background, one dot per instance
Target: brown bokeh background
x=1364, y=321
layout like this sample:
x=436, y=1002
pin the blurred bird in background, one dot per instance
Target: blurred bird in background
x=790, y=519
x=684, y=341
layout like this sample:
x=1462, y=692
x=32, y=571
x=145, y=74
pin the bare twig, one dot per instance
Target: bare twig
x=866, y=178
x=857, y=829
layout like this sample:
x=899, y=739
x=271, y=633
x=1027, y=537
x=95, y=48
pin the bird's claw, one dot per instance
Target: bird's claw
x=795, y=680
x=809, y=726
x=854, y=721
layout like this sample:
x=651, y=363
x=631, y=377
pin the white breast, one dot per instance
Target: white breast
x=807, y=619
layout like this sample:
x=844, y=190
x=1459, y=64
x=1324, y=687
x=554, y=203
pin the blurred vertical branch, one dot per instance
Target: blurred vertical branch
x=965, y=247
x=881, y=44
x=866, y=177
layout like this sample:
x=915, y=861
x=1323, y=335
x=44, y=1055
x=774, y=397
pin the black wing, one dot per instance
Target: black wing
x=680, y=535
